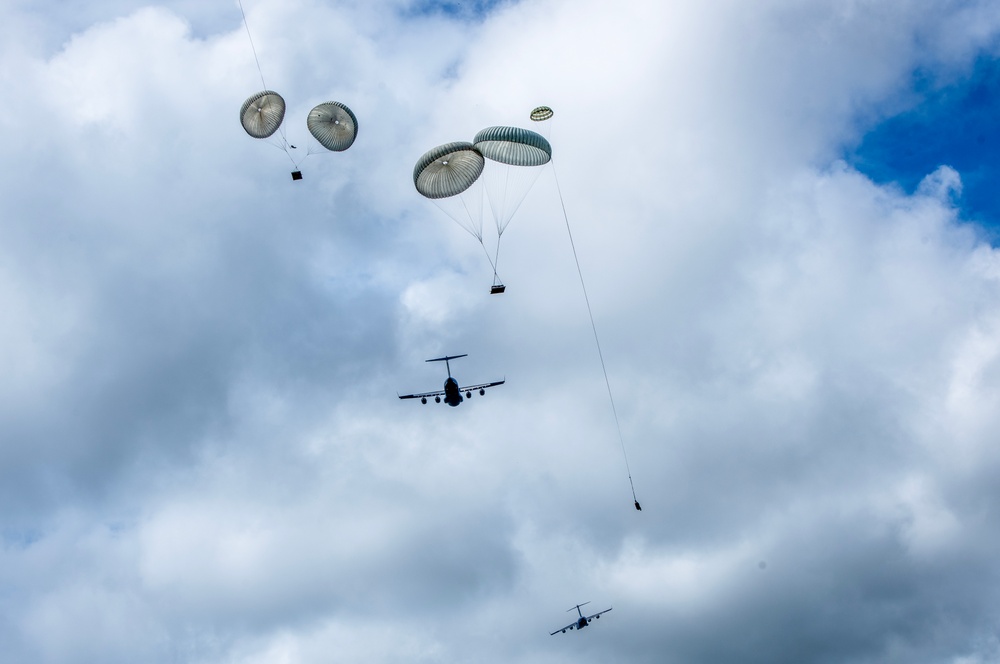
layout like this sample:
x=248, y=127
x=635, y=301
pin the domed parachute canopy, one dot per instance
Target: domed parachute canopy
x=541, y=114
x=516, y=156
x=448, y=175
x=334, y=125
x=262, y=114
x=513, y=146
x=448, y=170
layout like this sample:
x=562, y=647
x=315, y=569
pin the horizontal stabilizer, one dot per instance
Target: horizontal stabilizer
x=446, y=358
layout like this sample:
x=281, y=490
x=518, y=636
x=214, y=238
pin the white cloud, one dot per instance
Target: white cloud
x=202, y=457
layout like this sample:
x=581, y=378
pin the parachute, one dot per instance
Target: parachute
x=332, y=124
x=448, y=170
x=262, y=114
x=516, y=157
x=541, y=117
x=449, y=176
x=541, y=114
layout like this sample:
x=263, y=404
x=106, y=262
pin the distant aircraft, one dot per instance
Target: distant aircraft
x=582, y=622
x=452, y=393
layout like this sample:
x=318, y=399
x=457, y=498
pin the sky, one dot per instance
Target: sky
x=783, y=215
x=952, y=122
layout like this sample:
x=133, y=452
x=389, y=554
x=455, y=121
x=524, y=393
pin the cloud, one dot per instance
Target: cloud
x=202, y=457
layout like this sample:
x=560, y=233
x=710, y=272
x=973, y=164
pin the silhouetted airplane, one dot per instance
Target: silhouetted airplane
x=583, y=620
x=452, y=393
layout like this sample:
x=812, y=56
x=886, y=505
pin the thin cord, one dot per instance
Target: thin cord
x=492, y=264
x=597, y=340
x=252, y=47
x=496, y=263
x=283, y=146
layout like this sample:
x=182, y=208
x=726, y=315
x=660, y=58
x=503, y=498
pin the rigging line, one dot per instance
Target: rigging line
x=467, y=229
x=252, y=47
x=504, y=214
x=471, y=215
x=492, y=264
x=283, y=146
x=597, y=340
x=496, y=261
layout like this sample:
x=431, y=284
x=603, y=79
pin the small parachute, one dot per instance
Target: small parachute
x=333, y=125
x=262, y=114
x=541, y=114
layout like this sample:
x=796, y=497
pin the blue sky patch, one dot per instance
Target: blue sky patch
x=957, y=125
x=464, y=9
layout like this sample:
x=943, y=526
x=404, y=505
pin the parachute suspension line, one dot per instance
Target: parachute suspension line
x=498, y=209
x=492, y=264
x=284, y=139
x=508, y=215
x=496, y=262
x=282, y=145
x=502, y=214
x=597, y=340
x=496, y=258
x=479, y=236
x=471, y=214
x=498, y=217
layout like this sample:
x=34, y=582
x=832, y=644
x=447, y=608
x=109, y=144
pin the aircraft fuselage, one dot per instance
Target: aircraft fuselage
x=452, y=396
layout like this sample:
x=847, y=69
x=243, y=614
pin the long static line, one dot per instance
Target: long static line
x=281, y=130
x=252, y=47
x=597, y=340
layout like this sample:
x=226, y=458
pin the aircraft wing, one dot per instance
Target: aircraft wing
x=481, y=386
x=596, y=615
x=439, y=393
x=572, y=625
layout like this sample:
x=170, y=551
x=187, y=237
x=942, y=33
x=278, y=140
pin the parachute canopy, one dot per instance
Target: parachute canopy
x=262, y=114
x=541, y=114
x=333, y=125
x=516, y=156
x=513, y=146
x=448, y=170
